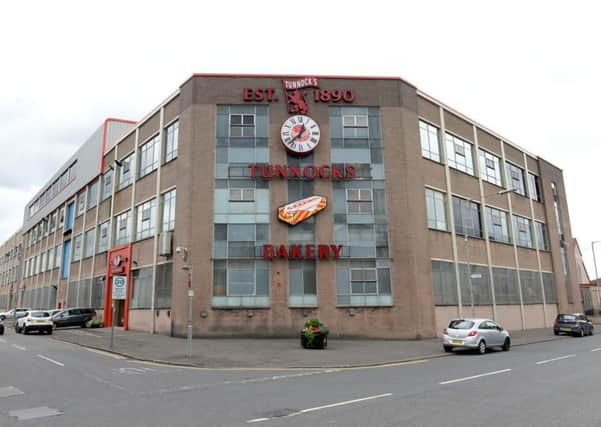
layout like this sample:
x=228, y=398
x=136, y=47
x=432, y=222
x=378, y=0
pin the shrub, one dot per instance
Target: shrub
x=95, y=323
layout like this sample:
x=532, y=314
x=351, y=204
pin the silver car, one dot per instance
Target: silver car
x=477, y=334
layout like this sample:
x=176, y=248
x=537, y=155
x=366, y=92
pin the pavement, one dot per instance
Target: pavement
x=265, y=353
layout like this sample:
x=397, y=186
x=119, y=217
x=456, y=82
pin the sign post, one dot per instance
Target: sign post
x=188, y=269
x=118, y=292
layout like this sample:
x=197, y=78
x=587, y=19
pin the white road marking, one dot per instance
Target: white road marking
x=19, y=347
x=319, y=408
x=9, y=391
x=105, y=382
x=2, y=340
x=50, y=360
x=596, y=349
x=31, y=413
x=475, y=376
x=542, y=362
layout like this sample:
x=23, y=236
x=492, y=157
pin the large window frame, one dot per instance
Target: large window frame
x=168, y=201
x=490, y=167
x=150, y=155
x=145, y=219
x=429, y=137
x=436, y=209
x=498, y=225
x=171, y=141
x=515, y=178
x=242, y=125
x=460, y=154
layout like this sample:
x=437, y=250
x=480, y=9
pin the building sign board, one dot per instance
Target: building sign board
x=296, y=212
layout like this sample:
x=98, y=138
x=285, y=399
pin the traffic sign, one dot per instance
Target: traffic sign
x=119, y=287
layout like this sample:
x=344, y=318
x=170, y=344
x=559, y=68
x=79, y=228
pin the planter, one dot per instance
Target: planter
x=314, y=334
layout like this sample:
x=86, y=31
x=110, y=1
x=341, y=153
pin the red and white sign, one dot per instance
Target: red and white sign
x=296, y=212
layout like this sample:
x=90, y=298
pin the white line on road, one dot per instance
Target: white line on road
x=542, y=362
x=596, y=349
x=475, y=376
x=2, y=340
x=50, y=360
x=19, y=347
x=319, y=408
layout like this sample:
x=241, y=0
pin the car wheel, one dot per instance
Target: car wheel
x=25, y=331
x=83, y=325
x=591, y=331
x=507, y=344
x=49, y=331
x=482, y=347
x=581, y=332
x=556, y=332
x=2, y=317
x=325, y=342
x=448, y=348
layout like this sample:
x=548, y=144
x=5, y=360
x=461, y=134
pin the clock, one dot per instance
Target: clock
x=300, y=135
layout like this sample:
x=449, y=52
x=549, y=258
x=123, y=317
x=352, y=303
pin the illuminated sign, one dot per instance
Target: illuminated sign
x=296, y=212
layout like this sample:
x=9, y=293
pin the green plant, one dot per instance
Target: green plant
x=312, y=330
x=95, y=323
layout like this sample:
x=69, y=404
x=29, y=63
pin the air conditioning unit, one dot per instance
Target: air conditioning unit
x=165, y=243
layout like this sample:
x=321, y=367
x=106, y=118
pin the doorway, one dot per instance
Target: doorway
x=119, y=311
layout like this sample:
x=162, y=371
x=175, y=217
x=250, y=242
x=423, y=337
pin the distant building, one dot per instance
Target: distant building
x=10, y=270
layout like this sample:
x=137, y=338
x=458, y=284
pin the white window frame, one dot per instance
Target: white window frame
x=171, y=141
x=360, y=197
x=439, y=203
x=121, y=236
x=145, y=219
x=487, y=173
x=429, y=138
x=168, y=210
x=241, y=194
x=149, y=156
x=460, y=154
x=242, y=126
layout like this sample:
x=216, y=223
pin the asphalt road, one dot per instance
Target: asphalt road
x=58, y=384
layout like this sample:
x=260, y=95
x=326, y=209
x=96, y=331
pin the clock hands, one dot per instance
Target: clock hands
x=302, y=130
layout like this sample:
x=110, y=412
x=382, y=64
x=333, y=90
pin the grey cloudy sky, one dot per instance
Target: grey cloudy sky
x=528, y=70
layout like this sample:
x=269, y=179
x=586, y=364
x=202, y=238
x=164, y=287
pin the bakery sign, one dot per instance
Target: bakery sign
x=300, y=136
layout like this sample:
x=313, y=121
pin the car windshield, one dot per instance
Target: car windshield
x=39, y=314
x=566, y=318
x=461, y=324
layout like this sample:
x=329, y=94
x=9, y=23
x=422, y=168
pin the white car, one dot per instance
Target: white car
x=15, y=313
x=477, y=334
x=35, y=321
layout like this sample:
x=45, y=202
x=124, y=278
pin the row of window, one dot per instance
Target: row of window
x=10, y=254
x=97, y=238
x=87, y=198
x=467, y=218
x=460, y=156
x=9, y=276
x=53, y=189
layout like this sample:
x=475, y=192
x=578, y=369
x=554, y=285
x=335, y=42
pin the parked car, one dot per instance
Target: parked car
x=576, y=324
x=14, y=313
x=73, y=317
x=34, y=321
x=476, y=334
x=1, y=328
x=53, y=312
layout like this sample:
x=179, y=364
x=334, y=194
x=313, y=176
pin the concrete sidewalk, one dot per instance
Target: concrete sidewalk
x=270, y=353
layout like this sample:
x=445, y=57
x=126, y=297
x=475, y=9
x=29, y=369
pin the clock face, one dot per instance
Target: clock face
x=300, y=135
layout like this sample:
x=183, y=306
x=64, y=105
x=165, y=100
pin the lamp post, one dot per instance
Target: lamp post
x=466, y=243
x=595, y=262
x=183, y=252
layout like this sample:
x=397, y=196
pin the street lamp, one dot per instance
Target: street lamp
x=183, y=252
x=595, y=262
x=466, y=242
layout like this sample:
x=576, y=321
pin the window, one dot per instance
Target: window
x=541, y=236
x=522, y=231
x=162, y=298
x=355, y=126
x=93, y=194
x=66, y=259
x=241, y=278
x=103, y=237
x=564, y=260
x=363, y=281
x=241, y=194
x=97, y=297
x=89, y=242
x=302, y=283
x=467, y=217
x=122, y=227
x=77, y=242
x=171, y=141
x=43, y=259
x=428, y=136
x=53, y=218
x=490, y=168
x=359, y=201
x=534, y=187
x=107, y=184
x=125, y=172
x=149, y=156
x=81, y=202
x=239, y=240
x=435, y=207
x=168, y=202
x=242, y=125
x=70, y=216
x=145, y=219
x=459, y=154
x=556, y=210
x=498, y=228
x=515, y=178
x=51, y=260
x=58, y=251
x=141, y=293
